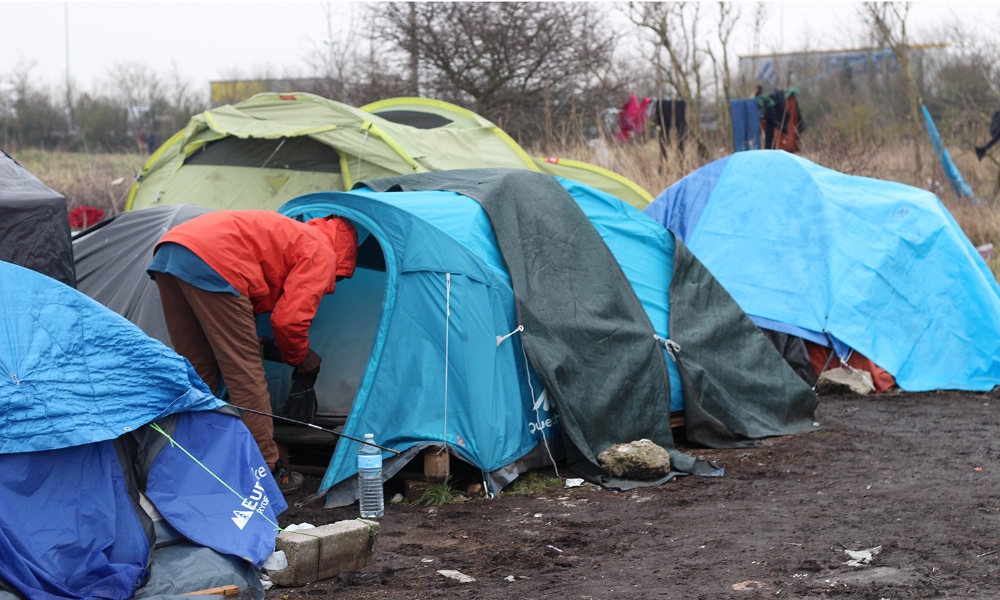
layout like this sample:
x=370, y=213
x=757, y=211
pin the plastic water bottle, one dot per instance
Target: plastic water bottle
x=370, y=479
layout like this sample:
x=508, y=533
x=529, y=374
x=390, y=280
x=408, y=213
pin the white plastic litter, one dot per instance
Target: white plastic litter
x=509, y=578
x=276, y=561
x=300, y=526
x=574, y=482
x=456, y=575
x=265, y=580
x=861, y=557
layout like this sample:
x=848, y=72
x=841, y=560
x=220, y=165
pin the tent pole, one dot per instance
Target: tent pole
x=353, y=439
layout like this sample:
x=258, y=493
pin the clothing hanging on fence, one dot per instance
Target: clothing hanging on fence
x=746, y=124
x=632, y=118
x=791, y=125
x=781, y=127
x=994, y=134
x=666, y=112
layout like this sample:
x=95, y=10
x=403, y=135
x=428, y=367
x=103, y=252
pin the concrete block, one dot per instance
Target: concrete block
x=345, y=546
x=302, y=551
x=437, y=464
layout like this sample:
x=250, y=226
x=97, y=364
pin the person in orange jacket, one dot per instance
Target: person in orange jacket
x=218, y=270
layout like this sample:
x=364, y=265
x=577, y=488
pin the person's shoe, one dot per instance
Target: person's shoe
x=288, y=481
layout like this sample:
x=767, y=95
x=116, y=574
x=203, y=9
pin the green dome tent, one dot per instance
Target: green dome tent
x=435, y=115
x=269, y=149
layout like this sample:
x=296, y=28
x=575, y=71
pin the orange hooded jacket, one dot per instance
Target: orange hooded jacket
x=285, y=267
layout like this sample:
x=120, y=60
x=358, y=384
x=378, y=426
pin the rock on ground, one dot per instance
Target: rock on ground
x=641, y=459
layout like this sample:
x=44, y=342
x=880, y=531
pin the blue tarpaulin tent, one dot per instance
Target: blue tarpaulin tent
x=76, y=382
x=874, y=265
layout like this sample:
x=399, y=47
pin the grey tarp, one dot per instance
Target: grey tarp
x=585, y=331
x=592, y=344
x=127, y=242
x=188, y=567
x=34, y=224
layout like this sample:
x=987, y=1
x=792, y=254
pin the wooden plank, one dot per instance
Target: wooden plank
x=676, y=422
x=226, y=590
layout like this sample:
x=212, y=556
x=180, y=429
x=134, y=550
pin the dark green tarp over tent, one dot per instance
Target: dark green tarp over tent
x=594, y=347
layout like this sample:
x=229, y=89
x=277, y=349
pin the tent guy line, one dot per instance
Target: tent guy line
x=310, y=425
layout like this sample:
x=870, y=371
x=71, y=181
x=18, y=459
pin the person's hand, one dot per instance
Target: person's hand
x=311, y=362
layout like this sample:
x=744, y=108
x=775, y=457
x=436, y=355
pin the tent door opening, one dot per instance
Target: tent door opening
x=343, y=334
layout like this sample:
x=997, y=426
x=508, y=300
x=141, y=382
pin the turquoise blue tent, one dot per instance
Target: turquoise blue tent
x=872, y=265
x=493, y=316
x=393, y=319
x=433, y=289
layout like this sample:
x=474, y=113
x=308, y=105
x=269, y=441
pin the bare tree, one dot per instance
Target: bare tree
x=889, y=22
x=509, y=61
x=334, y=58
x=758, y=18
x=140, y=91
x=38, y=122
x=673, y=27
x=728, y=17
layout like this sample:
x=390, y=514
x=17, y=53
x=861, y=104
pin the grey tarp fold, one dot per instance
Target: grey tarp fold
x=737, y=388
x=128, y=241
x=585, y=331
x=34, y=224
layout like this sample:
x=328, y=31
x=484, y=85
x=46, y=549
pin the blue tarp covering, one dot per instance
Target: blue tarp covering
x=203, y=508
x=74, y=376
x=495, y=414
x=881, y=266
x=68, y=528
x=72, y=372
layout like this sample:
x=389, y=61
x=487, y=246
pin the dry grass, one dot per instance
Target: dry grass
x=981, y=223
x=102, y=180
x=99, y=180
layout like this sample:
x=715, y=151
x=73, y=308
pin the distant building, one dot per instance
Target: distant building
x=229, y=92
x=780, y=70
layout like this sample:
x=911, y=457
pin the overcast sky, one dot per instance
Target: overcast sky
x=217, y=40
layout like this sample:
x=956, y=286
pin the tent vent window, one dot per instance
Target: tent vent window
x=297, y=154
x=413, y=118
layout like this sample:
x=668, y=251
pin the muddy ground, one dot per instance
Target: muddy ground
x=916, y=474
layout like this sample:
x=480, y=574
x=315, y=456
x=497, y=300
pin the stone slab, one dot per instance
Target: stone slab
x=345, y=546
x=325, y=552
x=302, y=551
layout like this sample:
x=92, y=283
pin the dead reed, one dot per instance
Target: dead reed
x=102, y=180
x=98, y=180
